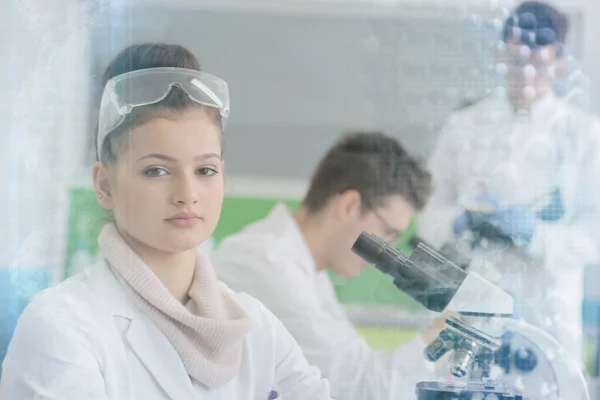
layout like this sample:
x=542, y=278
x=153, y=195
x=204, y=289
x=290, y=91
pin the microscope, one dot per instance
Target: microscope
x=473, y=338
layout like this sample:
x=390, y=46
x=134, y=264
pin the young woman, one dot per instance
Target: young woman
x=151, y=321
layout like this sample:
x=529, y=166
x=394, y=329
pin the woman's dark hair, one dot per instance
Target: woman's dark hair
x=144, y=56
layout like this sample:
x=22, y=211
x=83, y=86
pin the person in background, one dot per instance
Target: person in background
x=366, y=182
x=517, y=180
x=151, y=320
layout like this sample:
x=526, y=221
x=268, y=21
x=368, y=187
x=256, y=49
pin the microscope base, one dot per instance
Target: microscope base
x=463, y=391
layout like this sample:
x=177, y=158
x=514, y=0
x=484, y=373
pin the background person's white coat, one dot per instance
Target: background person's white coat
x=270, y=260
x=520, y=160
x=84, y=339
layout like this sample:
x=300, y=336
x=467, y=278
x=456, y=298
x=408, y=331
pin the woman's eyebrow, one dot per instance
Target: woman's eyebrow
x=172, y=159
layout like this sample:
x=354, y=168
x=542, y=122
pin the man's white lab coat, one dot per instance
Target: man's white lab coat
x=521, y=159
x=85, y=339
x=270, y=260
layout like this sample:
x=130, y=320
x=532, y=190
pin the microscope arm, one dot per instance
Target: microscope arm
x=569, y=376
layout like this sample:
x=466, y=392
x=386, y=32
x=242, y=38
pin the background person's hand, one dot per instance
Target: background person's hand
x=485, y=217
x=516, y=222
x=477, y=213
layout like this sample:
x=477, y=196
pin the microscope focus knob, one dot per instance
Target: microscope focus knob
x=525, y=359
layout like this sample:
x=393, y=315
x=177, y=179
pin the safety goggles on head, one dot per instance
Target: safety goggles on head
x=125, y=92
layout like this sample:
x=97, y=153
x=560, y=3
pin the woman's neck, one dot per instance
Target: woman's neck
x=174, y=270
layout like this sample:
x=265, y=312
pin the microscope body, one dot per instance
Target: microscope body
x=473, y=339
x=482, y=364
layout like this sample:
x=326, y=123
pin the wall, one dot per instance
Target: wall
x=298, y=79
x=44, y=92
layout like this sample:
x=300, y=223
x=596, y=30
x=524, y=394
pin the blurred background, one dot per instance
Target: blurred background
x=300, y=74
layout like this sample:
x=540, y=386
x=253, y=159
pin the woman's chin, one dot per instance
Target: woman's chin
x=174, y=242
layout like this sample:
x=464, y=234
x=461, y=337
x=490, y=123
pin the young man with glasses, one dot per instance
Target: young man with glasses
x=365, y=182
x=517, y=180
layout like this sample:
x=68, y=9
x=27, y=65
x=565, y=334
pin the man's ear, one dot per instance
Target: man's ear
x=102, y=186
x=348, y=205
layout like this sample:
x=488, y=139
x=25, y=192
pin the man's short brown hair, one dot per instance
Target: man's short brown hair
x=375, y=165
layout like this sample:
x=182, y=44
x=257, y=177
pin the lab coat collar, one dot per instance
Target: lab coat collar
x=284, y=223
x=544, y=109
x=541, y=111
x=149, y=345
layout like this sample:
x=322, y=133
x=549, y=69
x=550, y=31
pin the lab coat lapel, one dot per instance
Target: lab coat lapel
x=160, y=358
x=147, y=342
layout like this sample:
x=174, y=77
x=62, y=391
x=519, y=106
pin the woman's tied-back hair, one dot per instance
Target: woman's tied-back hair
x=373, y=164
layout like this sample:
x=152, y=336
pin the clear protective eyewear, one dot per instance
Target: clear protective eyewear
x=513, y=64
x=149, y=86
x=523, y=59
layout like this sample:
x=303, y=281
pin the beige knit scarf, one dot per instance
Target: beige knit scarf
x=207, y=331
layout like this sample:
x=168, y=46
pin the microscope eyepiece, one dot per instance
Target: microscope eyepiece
x=369, y=247
x=426, y=276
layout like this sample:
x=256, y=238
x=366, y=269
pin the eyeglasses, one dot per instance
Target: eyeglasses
x=519, y=59
x=394, y=235
x=516, y=65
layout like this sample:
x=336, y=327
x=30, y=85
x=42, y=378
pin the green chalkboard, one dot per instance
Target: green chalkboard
x=86, y=219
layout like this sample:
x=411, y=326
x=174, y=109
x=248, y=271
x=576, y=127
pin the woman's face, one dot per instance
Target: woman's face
x=166, y=188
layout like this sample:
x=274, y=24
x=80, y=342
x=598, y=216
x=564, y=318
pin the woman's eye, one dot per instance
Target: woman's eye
x=155, y=172
x=207, y=171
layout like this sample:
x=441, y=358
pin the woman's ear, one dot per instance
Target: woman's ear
x=102, y=186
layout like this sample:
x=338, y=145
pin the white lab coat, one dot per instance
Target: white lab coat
x=84, y=339
x=520, y=159
x=270, y=260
